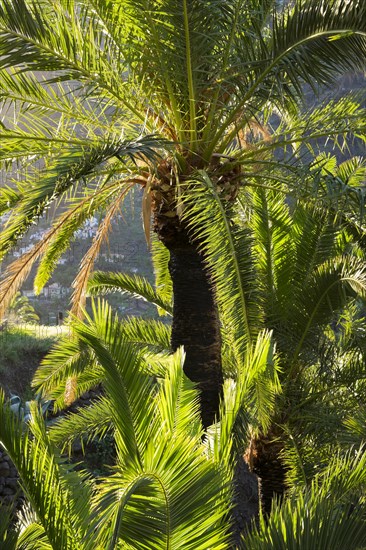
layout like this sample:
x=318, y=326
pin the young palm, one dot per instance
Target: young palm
x=78, y=77
x=167, y=490
x=21, y=310
x=328, y=514
x=314, y=278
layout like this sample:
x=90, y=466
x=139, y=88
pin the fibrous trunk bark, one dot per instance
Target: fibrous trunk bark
x=264, y=458
x=196, y=325
x=246, y=502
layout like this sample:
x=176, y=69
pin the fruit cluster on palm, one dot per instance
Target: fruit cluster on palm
x=200, y=105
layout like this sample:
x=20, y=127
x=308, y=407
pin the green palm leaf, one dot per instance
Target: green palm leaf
x=134, y=285
x=322, y=516
x=175, y=498
x=147, y=334
x=326, y=293
x=68, y=360
x=249, y=402
x=86, y=425
x=42, y=479
x=227, y=249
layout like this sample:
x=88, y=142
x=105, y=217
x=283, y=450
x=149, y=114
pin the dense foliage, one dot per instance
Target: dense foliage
x=200, y=105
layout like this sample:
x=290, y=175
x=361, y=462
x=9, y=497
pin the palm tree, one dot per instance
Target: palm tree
x=78, y=77
x=313, y=280
x=328, y=514
x=21, y=310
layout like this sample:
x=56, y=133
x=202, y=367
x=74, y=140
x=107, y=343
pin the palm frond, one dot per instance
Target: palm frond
x=161, y=498
x=68, y=359
x=63, y=173
x=339, y=120
x=53, y=244
x=327, y=292
x=178, y=403
x=249, y=401
x=328, y=514
x=146, y=499
x=355, y=426
x=304, y=276
x=8, y=198
x=227, y=249
x=305, y=42
x=302, y=35
x=102, y=283
x=16, y=274
x=125, y=380
x=71, y=361
x=40, y=476
x=31, y=97
x=9, y=535
x=87, y=263
x=147, y=333
x=271, y=222
x=65, y=226
x=85, y=425
x=311, y=241
x=134, y=497
x=33, y=537
x=66, y=40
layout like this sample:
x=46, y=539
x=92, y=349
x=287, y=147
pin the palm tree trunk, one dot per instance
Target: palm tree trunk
x=196, y=325
x=264, y=459
x=246, y=501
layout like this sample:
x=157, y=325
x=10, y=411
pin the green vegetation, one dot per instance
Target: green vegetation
x=21, y=311
x=258, y=244
x=308, y=274
x=161, y=461
x=169, y=487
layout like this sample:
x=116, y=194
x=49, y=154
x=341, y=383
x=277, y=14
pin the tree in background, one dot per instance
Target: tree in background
x=21, y=310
